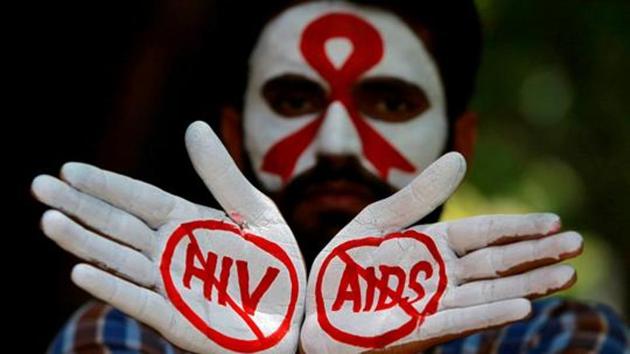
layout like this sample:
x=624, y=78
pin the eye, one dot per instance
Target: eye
x=294, y=95
x=392, y=105
x=389, y=99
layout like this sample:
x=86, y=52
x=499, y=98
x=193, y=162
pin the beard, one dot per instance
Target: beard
x=319, y=202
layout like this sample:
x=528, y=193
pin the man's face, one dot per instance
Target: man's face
x=344, y=105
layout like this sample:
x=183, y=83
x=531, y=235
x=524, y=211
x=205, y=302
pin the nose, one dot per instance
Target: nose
x=337, y=135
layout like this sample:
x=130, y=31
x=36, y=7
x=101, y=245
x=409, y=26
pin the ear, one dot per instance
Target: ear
x=231, y=128
x=466, y=135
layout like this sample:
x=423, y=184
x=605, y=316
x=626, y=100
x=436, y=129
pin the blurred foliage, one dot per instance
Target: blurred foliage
x=554, y=111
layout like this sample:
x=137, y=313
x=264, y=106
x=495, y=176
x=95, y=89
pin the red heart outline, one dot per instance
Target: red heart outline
x=175, y=297
x=380, y=340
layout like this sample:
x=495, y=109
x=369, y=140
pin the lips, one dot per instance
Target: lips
x=339, y=195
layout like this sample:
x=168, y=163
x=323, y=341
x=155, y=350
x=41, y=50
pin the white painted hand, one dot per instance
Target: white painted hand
x=207, y=281
x=380, y=285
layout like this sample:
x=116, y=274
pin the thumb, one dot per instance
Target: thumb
x=420, y=197
x=239, y=198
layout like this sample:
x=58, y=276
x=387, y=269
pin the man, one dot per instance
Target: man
x=345, y=109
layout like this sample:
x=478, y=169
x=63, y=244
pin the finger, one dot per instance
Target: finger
x=518, y=257
x=149, y=203
x=139, y=303
x=532, y=284
x=96, y=249
x=94, y=213
x=239, y=198
x=425, y=193
x=469, y=319
x=477, y=232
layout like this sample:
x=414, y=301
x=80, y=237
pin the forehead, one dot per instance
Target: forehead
x=278, y=49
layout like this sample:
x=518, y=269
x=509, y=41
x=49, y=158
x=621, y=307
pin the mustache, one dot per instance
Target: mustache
x=331, y=170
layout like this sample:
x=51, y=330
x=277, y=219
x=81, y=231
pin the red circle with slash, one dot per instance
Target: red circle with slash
x=262, y=342
x=382, y=339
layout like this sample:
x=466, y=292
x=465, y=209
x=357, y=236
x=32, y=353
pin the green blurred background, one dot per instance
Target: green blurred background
x=554, y=135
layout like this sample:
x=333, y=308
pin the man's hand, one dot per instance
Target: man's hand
x=379, y=285
x=208, y=281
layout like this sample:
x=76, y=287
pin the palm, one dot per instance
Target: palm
x=208, y=280
x=382, y=285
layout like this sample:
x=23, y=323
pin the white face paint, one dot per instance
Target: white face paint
x=419, y=140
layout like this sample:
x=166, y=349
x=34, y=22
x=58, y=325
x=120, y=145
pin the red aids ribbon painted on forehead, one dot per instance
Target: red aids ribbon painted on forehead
x=367, y=51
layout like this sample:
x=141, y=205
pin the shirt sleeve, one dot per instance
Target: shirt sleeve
x=555, y=326
x=100, y=328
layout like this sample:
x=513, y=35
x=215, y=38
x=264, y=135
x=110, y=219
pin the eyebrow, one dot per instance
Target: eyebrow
x=391, y=82
x=298, y=80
